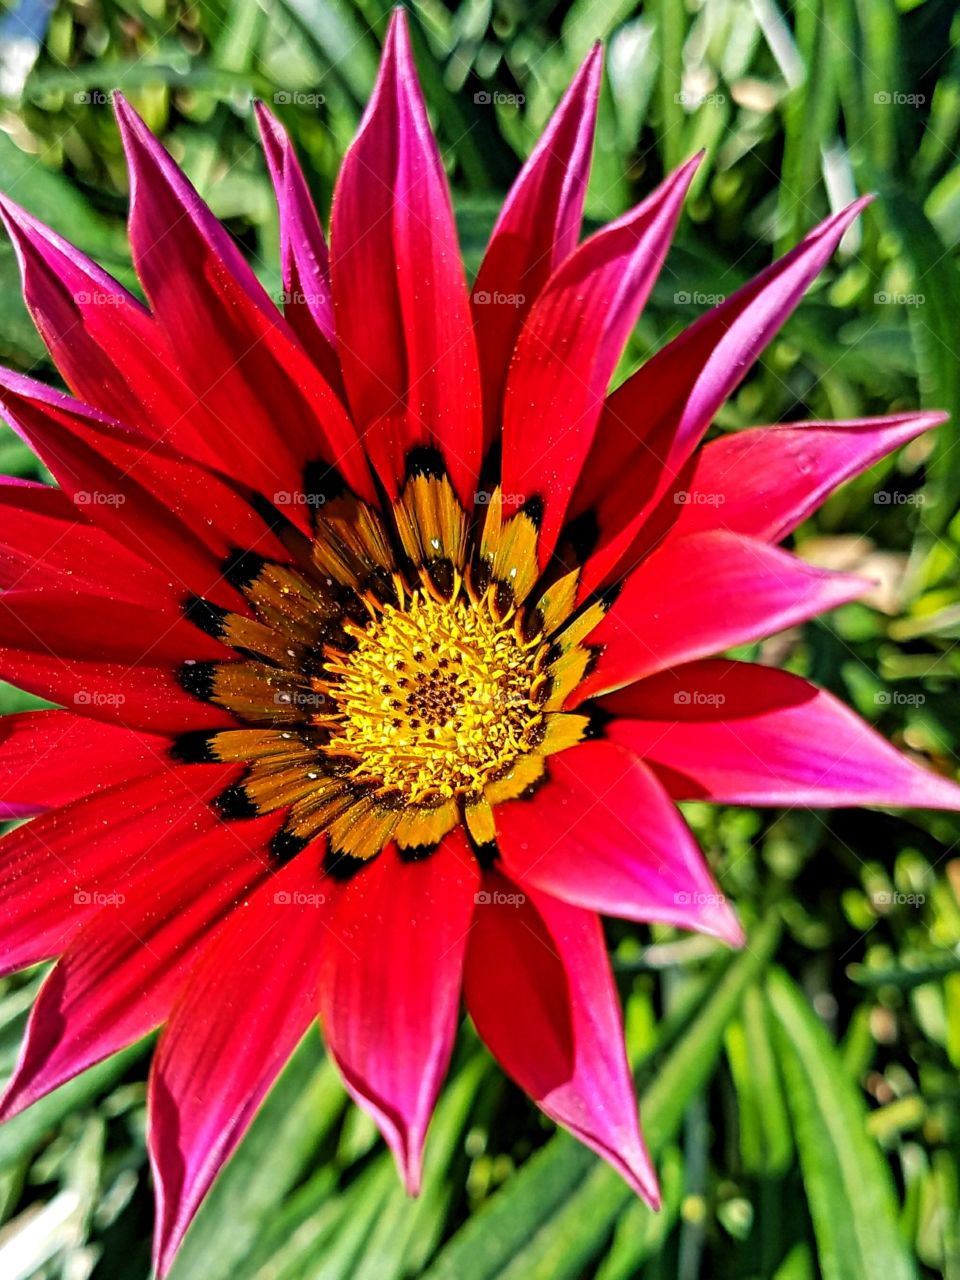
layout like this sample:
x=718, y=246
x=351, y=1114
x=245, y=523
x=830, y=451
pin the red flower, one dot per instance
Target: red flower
x=385, y=635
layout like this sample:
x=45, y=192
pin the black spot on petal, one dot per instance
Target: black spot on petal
x=285, y=846
x=582, y=533
x=235, y=804
x=598, y=719
x=416, y=852
x=425, y=461
x=242, y=568
x=206, y=615
x=342, y=866
x=197, y=679
x=195, y=748
x=533, y=509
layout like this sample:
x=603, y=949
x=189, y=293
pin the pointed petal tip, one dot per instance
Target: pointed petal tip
x=634, y=1165
x=933, y=791
x=410, y=1167
x=730, y=930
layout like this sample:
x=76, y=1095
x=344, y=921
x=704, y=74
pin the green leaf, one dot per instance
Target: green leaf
x=281, y=1144
x=25, y=1132
x=848, y=1184
x=559, y=1210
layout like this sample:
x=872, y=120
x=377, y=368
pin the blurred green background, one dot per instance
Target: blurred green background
x=801, y=1098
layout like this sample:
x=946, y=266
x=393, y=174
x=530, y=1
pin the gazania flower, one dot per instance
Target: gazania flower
x=384, y=637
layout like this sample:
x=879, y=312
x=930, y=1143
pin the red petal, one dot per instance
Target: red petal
x=569, y=347
x=183, y=518
x=538, y=227
x=736, y=733
x=390, y=987
x=308, y=294
x=79, y=628
x=704, y=593
x=45, y=542
x=275, y=411
x=118, y=977
x=765, y=481
x=248, y=1004
x=652, y=423
x=106, y=344
x=603, y=834
x=51, y=758
x=539, y=989
x=53, y=867
x=403, y=319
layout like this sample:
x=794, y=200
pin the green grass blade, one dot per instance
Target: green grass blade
x=848, y=1184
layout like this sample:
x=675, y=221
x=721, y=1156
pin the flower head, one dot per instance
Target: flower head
x=385, y=637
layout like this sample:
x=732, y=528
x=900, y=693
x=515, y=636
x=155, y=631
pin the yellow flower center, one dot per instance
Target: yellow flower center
x=436, y=698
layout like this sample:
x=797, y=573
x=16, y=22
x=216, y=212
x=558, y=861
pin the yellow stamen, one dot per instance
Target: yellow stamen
x=435, y=698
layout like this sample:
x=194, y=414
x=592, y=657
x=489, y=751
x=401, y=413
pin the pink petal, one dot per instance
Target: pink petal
x=185, y=519
x=117, y=978
x=539, y=989
x=107, y=346
x=765, y=481
x=538, y=227
x=652, y=423
x=403, y=318
x=736, y=733
x=390, y=988
x=249, y=1002
x=704, y=593
x=569, y=347
x=275, y=411
x=603, y=834
x=51, y=758
x=308, y=301
x=53, y=867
